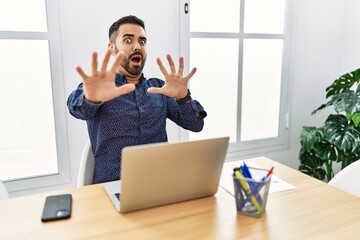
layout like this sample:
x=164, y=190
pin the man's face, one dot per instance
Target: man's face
x=131, y=40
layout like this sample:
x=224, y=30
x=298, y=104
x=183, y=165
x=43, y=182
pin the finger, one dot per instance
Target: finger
x=171, y=63
x=81, y=72
x=193, y=71
x=119, y=57
x=125, y=89
x=154, y=90
x=94, y=63
x=118, y=91
x=161, y=67
x=181, y=66
x=105, y=60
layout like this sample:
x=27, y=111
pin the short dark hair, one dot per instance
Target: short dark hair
x=124, y=20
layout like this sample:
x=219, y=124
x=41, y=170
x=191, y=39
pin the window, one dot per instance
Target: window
x=240, y=48
x=32, y=96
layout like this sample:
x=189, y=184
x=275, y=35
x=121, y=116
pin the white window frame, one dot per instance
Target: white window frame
x=53, y=37
x=255, y=147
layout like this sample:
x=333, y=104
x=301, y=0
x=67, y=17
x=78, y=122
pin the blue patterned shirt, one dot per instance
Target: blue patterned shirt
x=132, y=119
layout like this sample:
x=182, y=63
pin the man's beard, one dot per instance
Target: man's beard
x=133, y=70
x=126, y=63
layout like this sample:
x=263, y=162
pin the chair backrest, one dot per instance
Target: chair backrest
x=348, y=179
x=3, y=192
x=86, y=169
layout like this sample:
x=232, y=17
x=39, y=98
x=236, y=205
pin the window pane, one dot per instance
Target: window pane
x=215, y=84
x=214, y=16
x=262, y=62
x=264, y=16
x=23, y=15
x=27, y=139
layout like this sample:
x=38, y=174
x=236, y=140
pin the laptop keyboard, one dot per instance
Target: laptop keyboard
x=117, y=195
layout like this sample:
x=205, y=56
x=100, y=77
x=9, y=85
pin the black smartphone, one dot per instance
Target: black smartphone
x=57, y=207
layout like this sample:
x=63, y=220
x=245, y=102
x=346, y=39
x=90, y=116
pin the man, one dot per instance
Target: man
x=122, y=107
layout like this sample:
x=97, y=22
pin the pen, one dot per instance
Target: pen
x=253, y=186
x=245, y=171
x=269, y=173
x=246, y=189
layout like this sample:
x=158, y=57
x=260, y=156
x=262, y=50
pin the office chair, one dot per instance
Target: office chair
x=86, y=169
x=3, y=192
x=348, y=179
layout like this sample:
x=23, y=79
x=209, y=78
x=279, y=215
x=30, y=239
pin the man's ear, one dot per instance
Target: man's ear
x=112, y=47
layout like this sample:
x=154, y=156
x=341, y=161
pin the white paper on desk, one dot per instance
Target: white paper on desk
x=226, y=180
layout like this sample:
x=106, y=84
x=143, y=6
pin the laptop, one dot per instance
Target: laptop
x=158, y=174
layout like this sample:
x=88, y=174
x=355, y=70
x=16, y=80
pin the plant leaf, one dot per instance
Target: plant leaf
x=339, y=132
x=347, y=101
x=356, y=119
x=310, y=136
x=345, y=82
x=325, y=151
x=322, y=107
x=311, y=165
x=349, y=116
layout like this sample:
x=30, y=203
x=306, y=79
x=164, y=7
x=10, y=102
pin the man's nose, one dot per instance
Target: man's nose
x=137, y=46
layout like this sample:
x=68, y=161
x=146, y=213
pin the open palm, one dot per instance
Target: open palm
x=100, y=85
x=176, y=85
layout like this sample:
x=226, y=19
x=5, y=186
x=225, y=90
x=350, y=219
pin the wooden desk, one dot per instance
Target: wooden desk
x=314, y=210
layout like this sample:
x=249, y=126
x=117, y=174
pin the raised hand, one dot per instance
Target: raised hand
x=176, y=85
x=100, y=85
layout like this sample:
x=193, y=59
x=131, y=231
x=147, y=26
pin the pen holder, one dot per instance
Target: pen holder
x=251, y=193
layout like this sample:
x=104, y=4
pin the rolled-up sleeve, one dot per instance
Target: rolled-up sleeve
x=79, y=107
x=189, y=116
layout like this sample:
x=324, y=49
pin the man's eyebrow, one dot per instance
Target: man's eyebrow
x=132, y=35
x=128, y=35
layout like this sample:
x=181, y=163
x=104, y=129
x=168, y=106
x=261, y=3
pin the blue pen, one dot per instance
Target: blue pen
x=255, y=187
x=246, y=173
x=245, y=170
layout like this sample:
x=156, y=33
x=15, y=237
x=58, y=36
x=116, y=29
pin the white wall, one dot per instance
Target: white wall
x=324, y=46
x=351, y=44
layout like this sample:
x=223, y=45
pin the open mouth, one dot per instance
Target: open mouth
x=136, y=59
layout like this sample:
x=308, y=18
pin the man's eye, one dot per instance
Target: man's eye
x=127, y=40
x=142, y=42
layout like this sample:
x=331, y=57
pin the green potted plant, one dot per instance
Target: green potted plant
x=338, y=140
